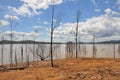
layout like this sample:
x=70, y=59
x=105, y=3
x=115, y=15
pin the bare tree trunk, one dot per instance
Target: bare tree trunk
x=16, y=58
x=22, y=53
x=51, y=45
x=51, y=48
x=34, y=51
x=2, y=50
x=11, y=53
x=27, y=56
x=119, y=49
x=77, y=34
x=114, y=49
x=94, y=49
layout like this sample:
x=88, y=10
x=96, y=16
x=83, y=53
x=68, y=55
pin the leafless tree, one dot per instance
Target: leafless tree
x=27, y=55
x=84, y=50
x=34, y=40
x=12, y=21
x=2, y=48
x=77, y=19
x=70, y=47
x=42, y=51
x=119, y=49
x=94, y=47
x=79, y=49
x=56, y=48
x=16, y=58
x=114, y=49
x=2, y=43
x=22, y=49
x=52, y=30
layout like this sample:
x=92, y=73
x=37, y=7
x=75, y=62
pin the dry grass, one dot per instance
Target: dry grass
x=68, y=69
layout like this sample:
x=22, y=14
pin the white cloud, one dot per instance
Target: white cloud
x=97, y=10
x=36, y=27
x=32, y=7
x=23, y=10
x=106, y=26
x=108, y=11
x=45, y=22
x=118, y=2
x=20, y=35
x=11, y=17
x=3, y=23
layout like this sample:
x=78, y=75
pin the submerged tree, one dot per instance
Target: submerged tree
x=2, y=35
x=12, y=21
x=34, y=40
x=94, y=47
x=70, y=47
x=56, y=48
x=119, y=49
x=84, y=50
x=16, y=58
x=2, y=48
x=114, y=49
x=42, y=51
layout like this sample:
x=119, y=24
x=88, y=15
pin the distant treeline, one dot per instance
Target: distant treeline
x=26, y=42
x=37, y=42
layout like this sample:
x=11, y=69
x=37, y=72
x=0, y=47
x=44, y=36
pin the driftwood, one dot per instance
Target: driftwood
x=5, y=69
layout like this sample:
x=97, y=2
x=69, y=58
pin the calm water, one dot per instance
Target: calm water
x=85, y=50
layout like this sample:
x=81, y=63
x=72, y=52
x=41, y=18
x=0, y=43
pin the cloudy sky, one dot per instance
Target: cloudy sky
x=32, y=18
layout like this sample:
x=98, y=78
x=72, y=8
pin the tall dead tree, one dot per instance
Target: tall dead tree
x=27, y=55
x=2, y=42
x=52, y=30
x=2, y=48
x=94, y=48
x=77, y=19
x=22, y=47
x=12, y=21
x=34, y=41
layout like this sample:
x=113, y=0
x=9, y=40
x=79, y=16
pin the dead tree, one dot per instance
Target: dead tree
x=16, y=58
x=77, y=19
x=2, y=48
x=79, y=49
x=34, y=45
x=12, y=21
x=52, y=30
x=27, y=55
x=114, y=49
x=70, y=47
x=94, y=48
x=119, y=49
x=84, y=50
x=22, y=49
x=42, y=51
x=56, y=47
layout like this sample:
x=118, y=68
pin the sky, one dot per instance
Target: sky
x=31, y=19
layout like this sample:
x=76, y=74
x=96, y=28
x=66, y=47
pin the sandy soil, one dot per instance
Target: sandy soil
x=68, y=69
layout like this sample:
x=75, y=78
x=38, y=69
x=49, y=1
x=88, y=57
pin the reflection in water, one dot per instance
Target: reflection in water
x=59, y=51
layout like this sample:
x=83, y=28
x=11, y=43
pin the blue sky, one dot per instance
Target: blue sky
x=100, y=17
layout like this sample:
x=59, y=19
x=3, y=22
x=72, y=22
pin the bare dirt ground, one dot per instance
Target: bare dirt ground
x=68, y=69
